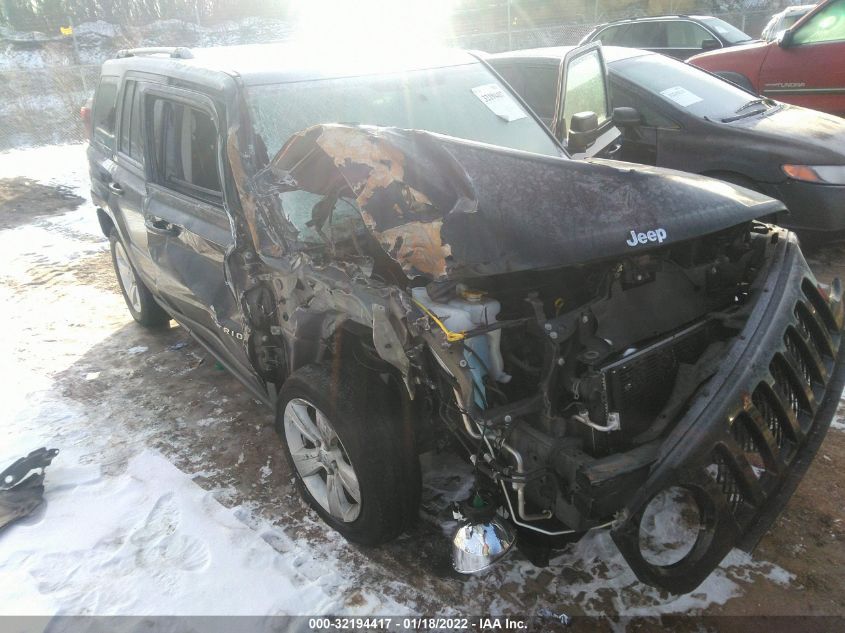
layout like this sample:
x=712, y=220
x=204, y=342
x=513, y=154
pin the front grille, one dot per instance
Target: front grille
x=772, y=417
x=796, y=351
x=785, y=386
x=778, y=415
x=747, y=437
x=721, y=472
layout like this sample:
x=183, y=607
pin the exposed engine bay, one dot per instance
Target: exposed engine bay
x=571, y=368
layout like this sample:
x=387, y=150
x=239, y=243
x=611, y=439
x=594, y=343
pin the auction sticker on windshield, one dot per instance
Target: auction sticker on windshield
x=499, y=102
x=681, y=96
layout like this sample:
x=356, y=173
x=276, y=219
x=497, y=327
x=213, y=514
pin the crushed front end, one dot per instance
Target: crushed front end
x=713, y=367
x=750, y=433
x=591, y=334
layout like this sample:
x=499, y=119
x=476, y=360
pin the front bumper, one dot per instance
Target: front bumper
x=812, y=207
x=749, y=436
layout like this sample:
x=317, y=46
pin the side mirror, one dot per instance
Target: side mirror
x=710, y=45
x=626, y=117
x=582, y=131
x=784, y=38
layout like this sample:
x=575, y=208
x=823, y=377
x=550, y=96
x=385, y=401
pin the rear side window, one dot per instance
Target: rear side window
x=186, y=150
x=685, y=35
x=535, y=83
x=644, y=35
x=105, y=112
x=612, y=35
x=131, y=132
x=540, y=84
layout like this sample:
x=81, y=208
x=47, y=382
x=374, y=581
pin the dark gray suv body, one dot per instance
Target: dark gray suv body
x=393, y=255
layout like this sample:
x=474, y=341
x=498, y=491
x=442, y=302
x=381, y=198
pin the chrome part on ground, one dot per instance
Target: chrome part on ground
x=476, y=545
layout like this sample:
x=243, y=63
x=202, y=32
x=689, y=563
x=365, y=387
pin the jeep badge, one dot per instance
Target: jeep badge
x=657, y=235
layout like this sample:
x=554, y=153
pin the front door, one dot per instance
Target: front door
x=808, y=68
x=186, y=223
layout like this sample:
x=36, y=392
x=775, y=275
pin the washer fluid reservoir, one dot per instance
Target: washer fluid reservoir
x=467, y=311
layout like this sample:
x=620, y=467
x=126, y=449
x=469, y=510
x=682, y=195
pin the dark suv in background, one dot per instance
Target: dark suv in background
x=398, y=256
x=678, y=36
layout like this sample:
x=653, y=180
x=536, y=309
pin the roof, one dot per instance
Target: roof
x=280, y=63
x=556, y=53
x=644, y=18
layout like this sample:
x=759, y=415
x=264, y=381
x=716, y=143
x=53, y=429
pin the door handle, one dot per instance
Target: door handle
x=116, y=189
x=160, y=226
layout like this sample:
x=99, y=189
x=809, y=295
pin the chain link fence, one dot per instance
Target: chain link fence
x=39, y=105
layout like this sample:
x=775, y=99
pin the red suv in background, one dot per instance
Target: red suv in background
x=805, y=65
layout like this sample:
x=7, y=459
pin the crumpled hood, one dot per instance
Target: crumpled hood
x=449, y=208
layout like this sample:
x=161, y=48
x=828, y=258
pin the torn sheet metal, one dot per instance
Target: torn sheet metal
x=403, y=182
x=22, y=485
x=448, y=208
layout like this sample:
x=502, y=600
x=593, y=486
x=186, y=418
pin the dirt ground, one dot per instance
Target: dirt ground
x=161, y=390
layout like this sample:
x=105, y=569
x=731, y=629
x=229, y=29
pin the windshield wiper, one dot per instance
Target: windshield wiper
x=738, y=112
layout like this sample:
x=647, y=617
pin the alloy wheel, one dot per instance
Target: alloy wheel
x=321, y=460
x=127, y=277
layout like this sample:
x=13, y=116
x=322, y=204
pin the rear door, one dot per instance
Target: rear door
x=187, y=226
x=810, y=70
x=128, y=183
x=101, y=147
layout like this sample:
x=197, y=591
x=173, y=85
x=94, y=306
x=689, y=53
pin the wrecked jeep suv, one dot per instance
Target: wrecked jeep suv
x=393, y=255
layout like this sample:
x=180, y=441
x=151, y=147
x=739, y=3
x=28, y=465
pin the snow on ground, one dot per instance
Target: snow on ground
x=165, y=546
x=123, y=530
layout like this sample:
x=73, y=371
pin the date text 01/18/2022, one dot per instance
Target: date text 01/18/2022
x=418, y=624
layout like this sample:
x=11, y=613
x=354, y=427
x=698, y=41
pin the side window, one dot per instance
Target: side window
x=131, y=134
x=585, y=88
x=186, y=149
x=611, y=36
x=512, y=73
x=540, y=83
x=621, y=97
x=645, y=35
x=105, y=111
x=828, y=25
x=685, y=35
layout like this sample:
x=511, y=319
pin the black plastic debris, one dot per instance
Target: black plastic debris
x=22, y=485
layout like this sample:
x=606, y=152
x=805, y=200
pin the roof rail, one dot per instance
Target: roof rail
x=177, y=52
x=649, y=17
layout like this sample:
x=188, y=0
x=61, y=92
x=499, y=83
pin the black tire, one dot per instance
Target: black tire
x=358, y=407
x=145, y=311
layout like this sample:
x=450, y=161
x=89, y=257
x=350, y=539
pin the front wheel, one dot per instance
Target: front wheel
x=347, y=453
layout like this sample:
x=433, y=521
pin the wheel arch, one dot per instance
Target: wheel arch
x=105, y=221
x=738, y=79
